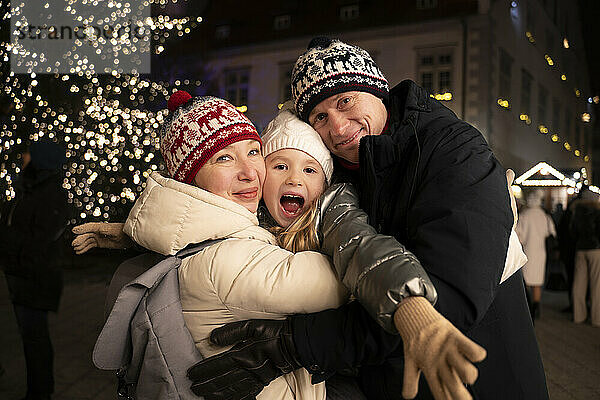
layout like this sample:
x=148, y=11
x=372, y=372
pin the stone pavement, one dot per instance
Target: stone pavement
x=571, y=353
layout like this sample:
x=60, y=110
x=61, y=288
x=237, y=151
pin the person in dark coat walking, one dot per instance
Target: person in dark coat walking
x=431, y=181
x=585, y=227
x=32, y=224
x=567, y=244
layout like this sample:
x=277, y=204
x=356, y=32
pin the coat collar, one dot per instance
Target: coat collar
x=169, y=215
x=406, y=102
x=406, y=99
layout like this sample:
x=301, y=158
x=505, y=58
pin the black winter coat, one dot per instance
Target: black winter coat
x=434, y=184
x=585, y=224
x=32, y=225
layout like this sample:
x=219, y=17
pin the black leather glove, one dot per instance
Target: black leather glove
x=264, y=351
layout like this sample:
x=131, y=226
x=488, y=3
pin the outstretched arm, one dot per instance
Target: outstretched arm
x=100, y=234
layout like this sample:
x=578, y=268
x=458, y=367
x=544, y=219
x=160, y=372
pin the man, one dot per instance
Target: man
x=431, y=181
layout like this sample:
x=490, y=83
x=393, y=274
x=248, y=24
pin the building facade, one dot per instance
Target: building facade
x=516, y=70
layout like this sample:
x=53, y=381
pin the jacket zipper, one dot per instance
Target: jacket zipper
x=412, y=185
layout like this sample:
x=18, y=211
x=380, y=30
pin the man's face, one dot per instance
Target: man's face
x=343, y=119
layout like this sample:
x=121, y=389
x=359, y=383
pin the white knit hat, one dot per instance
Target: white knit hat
x=287, y=131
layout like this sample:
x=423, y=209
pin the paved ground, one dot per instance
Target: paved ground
x=571, y=352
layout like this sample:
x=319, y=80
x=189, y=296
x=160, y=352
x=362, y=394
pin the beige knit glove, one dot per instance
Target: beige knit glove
x=433, y=345
x=100, y=234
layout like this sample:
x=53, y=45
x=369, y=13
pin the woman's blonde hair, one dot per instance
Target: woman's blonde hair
x=300, y=235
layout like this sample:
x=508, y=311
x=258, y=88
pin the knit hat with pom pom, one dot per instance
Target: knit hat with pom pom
x=330, y=67
x=196, y=129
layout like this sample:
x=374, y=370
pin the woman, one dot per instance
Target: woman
x=245, y=264
x=533, y=227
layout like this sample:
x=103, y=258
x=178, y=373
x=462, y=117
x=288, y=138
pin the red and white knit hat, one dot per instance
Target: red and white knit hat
x=196, y=129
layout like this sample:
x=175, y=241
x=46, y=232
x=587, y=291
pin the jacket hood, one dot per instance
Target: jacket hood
x=407, y=104
x=169, y=215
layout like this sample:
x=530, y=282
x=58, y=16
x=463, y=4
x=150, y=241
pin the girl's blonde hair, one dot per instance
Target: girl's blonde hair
x=300, y=235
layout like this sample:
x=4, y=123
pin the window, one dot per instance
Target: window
x=348, y=13
x=434, y=70
x=445, y=59
x=426, y=4
x=236, y=86
x=427, y=60
x=526, y=81
x=530, y=19
x=222, y=32
x=282, y=22
x=445, y=82
x=542, y=104
x=556, y=114
x=565, y=23
x=568, y=125
x=550, y=42
x=573, y=125
x=427, y=81
x=504, y=80
x=285, y=79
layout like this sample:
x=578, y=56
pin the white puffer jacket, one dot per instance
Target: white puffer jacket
x=244, y=277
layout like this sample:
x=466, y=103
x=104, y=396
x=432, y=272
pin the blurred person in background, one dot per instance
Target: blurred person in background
x=566, y=244
x=32, y=224
x=585, y=228
x=533, y=227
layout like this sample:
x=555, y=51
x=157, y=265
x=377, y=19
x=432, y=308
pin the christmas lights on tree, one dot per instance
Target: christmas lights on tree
x=107, y=122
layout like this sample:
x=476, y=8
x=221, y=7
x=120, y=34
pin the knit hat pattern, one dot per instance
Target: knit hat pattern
x=329, y=67
x=287, y=131
x=197, y=129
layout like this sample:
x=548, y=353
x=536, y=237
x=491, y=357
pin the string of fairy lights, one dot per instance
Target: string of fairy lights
x=542, y=128
x=107, y=123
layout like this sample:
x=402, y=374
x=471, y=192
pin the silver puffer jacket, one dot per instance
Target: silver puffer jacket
x=378, y=270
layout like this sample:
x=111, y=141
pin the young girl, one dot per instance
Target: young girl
x=299, y=168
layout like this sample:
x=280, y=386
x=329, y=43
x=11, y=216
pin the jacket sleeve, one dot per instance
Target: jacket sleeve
x=460, y=222
x=341, y=340
x=254, y=279
x=377, y=269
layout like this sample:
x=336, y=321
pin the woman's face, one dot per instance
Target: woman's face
x=236, y=173
x=294, y=180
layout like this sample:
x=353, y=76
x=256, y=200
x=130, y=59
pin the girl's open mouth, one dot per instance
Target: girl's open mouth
x=291, y=205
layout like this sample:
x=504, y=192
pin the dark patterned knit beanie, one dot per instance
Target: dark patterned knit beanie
x=329, y=67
